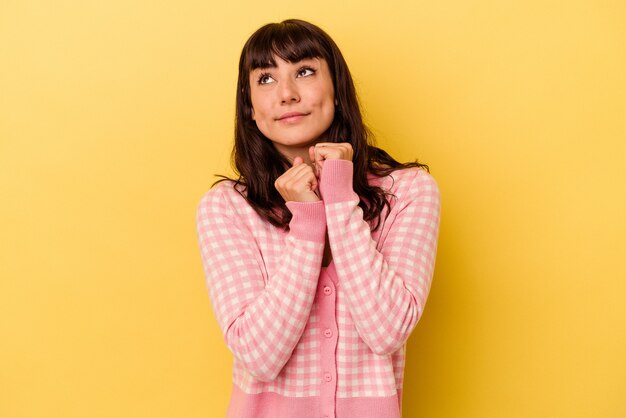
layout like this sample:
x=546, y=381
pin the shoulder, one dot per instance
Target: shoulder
x=408, y=183
x=416, y=193
x=419, y=180
x=223, y=198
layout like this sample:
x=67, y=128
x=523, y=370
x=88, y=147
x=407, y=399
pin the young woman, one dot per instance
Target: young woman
x=319, y=256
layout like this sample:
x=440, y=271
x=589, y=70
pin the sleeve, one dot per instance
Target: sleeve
x=261, y=323
x=385, y=290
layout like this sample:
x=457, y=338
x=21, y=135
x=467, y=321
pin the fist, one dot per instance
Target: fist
x=329, y=151
x=298, y=184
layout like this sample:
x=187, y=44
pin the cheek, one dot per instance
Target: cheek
x=326, y=102
x=328, y=106
x=258, y=107
x=330, y=97
x=261, y=118
x=262, y=125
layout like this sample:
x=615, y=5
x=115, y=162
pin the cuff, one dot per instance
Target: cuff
x=336, y=181
x=308, y=221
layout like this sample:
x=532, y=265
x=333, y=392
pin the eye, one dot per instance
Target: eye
x=305, y=72
x=264, y=78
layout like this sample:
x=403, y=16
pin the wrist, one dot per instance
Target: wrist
x=308, y=220
x=336, y=181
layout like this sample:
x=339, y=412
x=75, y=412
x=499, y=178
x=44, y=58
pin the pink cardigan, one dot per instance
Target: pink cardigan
x=311, y=341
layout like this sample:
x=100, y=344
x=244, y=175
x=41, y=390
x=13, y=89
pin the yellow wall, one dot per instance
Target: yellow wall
x=114, y=115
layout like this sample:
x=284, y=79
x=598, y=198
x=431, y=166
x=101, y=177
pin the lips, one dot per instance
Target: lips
x=291, y=116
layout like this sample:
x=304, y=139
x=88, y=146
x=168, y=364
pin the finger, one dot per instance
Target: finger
x=323, y=153
x=307, y=180
x=318, y=160
x=312, y=153
x=345, y=145
x=295, y=172
x=321, y=150
x=300, y=172
x=296, y=167
x=283, y=180
x=301, y=182
x=342, y=150
x=312, y=157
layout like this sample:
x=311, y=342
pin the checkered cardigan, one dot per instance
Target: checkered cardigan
x=313, y=341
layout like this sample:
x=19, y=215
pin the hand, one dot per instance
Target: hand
x=329, y=151
x=298, y=184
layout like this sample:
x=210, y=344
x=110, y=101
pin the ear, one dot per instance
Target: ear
x=252, y=111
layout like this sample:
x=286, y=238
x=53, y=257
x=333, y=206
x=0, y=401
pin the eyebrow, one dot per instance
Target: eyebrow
x=268, y=66
x=264, y=67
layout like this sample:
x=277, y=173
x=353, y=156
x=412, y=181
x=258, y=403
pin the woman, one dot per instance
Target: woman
x=319, y=257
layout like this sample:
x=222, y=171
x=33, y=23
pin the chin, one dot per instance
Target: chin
x=298, y=141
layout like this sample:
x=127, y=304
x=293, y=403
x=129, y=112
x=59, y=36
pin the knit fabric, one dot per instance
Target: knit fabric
x=313, y=341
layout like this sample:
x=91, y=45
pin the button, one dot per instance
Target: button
x=328, y=333
x=327, y=290
x=328, y=377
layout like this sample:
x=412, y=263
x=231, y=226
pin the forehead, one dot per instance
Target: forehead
x=264, y=49
x=278, y=62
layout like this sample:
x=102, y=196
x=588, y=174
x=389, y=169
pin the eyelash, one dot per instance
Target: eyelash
x=301, y=69
x=313, y=71
x=261, y=77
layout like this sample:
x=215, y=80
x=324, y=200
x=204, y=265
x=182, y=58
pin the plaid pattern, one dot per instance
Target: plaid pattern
x=270, y=294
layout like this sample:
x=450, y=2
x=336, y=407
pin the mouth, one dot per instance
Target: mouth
x=292, y=117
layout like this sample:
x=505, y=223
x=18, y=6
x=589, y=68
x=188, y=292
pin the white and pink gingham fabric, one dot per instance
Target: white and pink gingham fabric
x=313, y=341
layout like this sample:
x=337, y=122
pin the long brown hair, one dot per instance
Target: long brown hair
x=256, y=160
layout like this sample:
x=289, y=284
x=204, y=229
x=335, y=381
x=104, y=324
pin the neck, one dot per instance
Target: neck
x=292, y=152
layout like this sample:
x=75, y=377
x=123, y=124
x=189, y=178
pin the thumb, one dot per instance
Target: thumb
x=312, y=153
x=297, y=161
x=312, y=157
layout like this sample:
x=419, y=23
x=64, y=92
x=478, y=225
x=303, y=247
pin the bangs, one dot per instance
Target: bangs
x=288, y=41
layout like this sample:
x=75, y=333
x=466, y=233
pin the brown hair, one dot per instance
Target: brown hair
x=259, y=164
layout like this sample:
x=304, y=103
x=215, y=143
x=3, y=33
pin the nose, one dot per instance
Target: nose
x=288, y=91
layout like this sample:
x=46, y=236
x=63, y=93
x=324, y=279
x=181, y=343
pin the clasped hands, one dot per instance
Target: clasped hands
x=300, y=182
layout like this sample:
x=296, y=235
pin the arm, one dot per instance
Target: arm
x=387, y=290
x=261, y=324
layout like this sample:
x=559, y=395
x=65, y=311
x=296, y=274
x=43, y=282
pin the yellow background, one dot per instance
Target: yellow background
x=114, y=116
